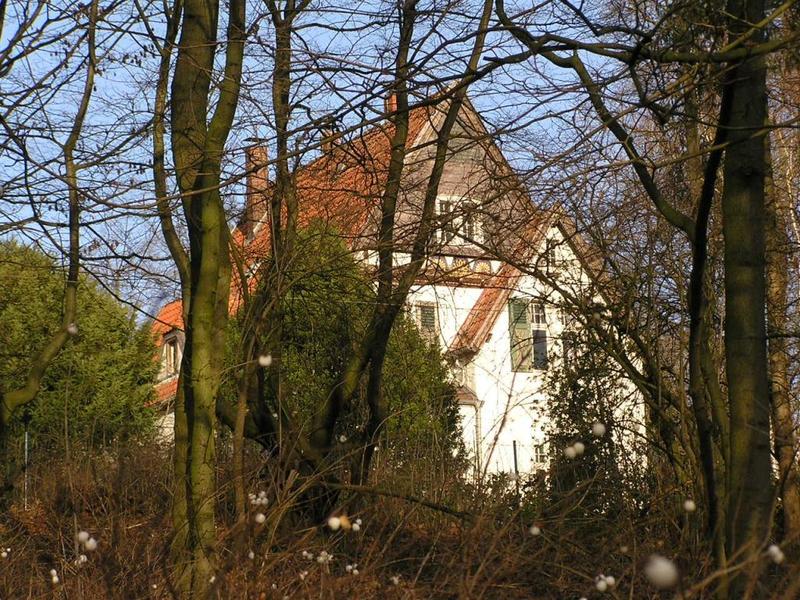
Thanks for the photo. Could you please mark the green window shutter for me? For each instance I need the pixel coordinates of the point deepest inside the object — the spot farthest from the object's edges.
(427, 318)
(519, 334)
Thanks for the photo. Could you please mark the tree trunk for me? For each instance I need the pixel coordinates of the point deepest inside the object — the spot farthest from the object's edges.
(743, 214)
(247, 388)
(777, 243)
(179, 547)
(197, 145)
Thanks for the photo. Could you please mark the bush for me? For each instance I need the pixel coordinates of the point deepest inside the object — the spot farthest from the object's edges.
(605, 475)
(99, 386)
(326, 311)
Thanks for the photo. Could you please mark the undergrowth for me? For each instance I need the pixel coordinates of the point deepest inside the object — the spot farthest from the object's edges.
(422, 532)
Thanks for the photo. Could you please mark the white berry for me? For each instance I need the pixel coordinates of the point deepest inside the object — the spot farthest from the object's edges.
(776, 554)
(661, 572)
(598, 429)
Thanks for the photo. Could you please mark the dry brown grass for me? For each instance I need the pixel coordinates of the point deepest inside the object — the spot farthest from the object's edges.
(123, 500)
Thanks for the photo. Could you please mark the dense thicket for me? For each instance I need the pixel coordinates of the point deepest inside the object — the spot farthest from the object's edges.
(99, 388)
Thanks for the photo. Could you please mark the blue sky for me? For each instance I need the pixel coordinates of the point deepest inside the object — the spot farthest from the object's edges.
(344, 56)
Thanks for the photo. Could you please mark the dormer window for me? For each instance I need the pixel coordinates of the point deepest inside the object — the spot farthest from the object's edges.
(447, 232)
(170, 356)
(474, 224)
(470, 229)
(556, 257)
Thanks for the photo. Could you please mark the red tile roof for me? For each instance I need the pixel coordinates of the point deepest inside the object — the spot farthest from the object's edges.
(169, 317)
(343, 187)
(483, 315)
(465, 395)
(165, 391)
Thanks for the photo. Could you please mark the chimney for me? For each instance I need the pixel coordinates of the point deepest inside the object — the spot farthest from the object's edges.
(256, 197)
(390, 104)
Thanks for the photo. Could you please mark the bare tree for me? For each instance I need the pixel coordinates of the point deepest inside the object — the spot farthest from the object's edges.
(198, 145)
(737, 484)
(16, 398)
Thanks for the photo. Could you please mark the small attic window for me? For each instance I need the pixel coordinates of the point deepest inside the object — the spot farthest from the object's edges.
(460, 222)
(170, 357)
(554, 258)
(446, 233)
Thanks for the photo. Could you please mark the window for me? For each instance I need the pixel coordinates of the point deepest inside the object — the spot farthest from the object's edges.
(569, 336)
(486, 227)
(464, 374)
(460, 218)
(528, 334)
(447, 222)
(539, 348)
(520, 331)
(426, 320)
(569, 344)
(537, 310)
(473, 224)
(170, 357)
(549, 258)
(540, 454)
(470, 228)
(556, 257)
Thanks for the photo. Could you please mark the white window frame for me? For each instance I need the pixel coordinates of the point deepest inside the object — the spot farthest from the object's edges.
(171, 355)
(461, 215)
(540, 457)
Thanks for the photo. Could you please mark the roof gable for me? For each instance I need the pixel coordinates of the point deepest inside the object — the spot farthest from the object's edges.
(475, 330)
(169, 317)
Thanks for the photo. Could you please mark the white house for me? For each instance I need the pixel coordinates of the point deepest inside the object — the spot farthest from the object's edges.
(501, 328)
(503, 335)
